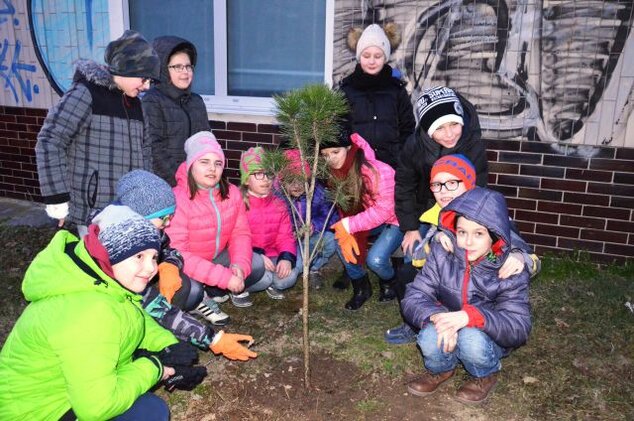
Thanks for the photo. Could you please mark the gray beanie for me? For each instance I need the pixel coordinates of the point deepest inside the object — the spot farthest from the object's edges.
(146, 194)
(374, 36)
(132, 56)
(124, 233)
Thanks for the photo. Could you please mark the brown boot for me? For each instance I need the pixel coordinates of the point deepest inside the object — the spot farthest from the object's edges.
(427, 383)
(477, 389)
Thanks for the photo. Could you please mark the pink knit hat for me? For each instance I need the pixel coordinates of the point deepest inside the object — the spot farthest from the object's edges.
(295, 163)
(200, 144)
(250, 162)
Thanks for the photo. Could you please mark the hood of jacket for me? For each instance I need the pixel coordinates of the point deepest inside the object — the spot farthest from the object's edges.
(165, 47)
(485, 207)
(470, 130)
(53, 272)
(93, 72)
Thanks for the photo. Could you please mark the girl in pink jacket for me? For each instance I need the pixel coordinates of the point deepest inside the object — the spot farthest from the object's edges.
(369, 184)
(210, 226)
(271, 229)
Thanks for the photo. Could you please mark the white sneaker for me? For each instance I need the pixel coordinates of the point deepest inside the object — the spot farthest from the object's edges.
(221, 299)
(274, 293)
(211, 312)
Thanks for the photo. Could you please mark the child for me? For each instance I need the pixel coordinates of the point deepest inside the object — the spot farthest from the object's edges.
(466, 313)
(172, 110)
(447, 124)
(451, 176)
(323, 215)
(380, 107)
(271, 229)
(369, 185)
(210, 226)
(151, 197)
(95, 134)
(83, 348)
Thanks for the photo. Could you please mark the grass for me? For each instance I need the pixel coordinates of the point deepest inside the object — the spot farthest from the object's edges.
(577, 365)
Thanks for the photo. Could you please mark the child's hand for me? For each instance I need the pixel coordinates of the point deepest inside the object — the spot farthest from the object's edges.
(283, 268)
(444, 241)
(447, 325)
(513, 265)
(236, 284)
(167, 372)
(409, 241)
(268, 264)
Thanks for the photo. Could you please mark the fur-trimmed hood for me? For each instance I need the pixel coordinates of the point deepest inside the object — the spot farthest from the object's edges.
(94, 72)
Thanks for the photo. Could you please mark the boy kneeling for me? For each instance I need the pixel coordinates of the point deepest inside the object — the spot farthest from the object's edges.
(465, 311)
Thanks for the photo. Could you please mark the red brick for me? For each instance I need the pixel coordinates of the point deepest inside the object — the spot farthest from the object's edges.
(540, 194)
(27, 135)
(566, 185)
(240, 146)
(558, 207)
(610, 213)
(507, 191)
(11, 164)
(542, 171)
(565, 161)
(500, 167)
(8, 118)
(521, 203)
(492, 156)
(607, 259)
(624, 178)
(278, 139)
(579, 244)
(520, 158)
(257, 137)
(217, 125)
(546, 218)
(242, 127)
(558, 230)
(613, 189)
(622, 202)
(576, 174)
(611, 165)
(621, 249)
(544, 240)
(620, 226)
(14, 111)
(587, 199)
(27, 119)
(502, 145)
(34, 128)
(269, 128)
(227, 135)
(525, 227)
(518, 180)
(538, 147)
(578, 221)
(492, 179)
(601, 235)
(16, 127)
(625, 153)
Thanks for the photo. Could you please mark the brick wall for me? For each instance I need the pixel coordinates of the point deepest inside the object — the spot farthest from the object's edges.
(562, 201)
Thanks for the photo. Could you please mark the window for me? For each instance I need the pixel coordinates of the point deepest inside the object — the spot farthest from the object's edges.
(248, 50)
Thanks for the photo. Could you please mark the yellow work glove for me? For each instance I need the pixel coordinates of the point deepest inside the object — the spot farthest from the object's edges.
(228, 344)
(347, 242)
(169, 280)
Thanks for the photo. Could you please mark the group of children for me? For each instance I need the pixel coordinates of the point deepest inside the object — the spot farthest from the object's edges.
(182, 251)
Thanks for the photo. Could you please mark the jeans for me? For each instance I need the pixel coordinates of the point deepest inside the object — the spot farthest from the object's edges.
(271, 279)
(327, 247)
(257, 271)
(388, 240)
(147, 407)
(479, 354)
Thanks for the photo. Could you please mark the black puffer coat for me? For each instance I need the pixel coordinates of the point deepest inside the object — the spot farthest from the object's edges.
(380, 111)
(172, 114)
(411, 194)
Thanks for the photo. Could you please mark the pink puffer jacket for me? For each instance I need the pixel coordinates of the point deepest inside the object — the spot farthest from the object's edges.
(270, 224)
(205, 226)
(380, 209)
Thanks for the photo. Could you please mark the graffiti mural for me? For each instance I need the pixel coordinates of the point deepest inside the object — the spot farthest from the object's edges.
(554, 71)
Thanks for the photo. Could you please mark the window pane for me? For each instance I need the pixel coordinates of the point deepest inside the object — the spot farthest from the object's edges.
(274, 46)
(189, 19)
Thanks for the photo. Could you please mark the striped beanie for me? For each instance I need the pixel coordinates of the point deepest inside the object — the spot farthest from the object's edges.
(457, 165)
(437, 106)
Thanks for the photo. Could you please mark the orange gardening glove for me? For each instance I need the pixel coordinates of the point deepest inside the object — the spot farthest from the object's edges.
(169, 280)
(229, 345)
(347, 242)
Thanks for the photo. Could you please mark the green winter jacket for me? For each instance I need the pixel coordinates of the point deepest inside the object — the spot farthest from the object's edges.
(72, 346)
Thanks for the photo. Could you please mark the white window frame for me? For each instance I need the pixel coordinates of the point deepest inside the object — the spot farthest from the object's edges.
(220, 102)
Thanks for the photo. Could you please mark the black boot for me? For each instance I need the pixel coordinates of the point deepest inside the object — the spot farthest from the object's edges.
(362, 291)
(386, 291)
(343, 282)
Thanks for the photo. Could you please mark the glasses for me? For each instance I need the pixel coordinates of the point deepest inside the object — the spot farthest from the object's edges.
(260, 175)
(180, 68)
(165, 221)
(450, 185)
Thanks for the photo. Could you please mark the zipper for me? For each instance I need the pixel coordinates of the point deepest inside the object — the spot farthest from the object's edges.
(218, 221)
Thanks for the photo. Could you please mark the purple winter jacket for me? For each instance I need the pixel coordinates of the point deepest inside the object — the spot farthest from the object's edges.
(448, 282)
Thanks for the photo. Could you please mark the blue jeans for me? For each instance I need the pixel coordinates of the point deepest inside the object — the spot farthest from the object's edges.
(270, 279)
(479, 354)
(147, 407)
(388, 240)
(327, 247)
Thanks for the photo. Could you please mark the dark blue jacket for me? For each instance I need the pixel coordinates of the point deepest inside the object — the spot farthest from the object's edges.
(321, 206)
(448, 282)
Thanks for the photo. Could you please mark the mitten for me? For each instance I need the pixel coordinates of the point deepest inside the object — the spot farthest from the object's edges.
(228, 344)
(347, 243)
(58, 211)
(180, 353)
(169, 280)
(185, 378)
